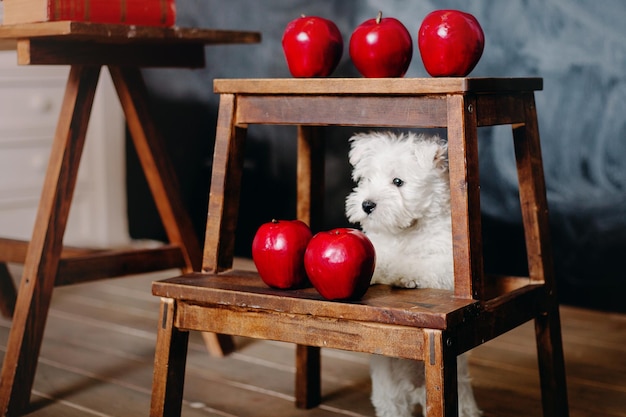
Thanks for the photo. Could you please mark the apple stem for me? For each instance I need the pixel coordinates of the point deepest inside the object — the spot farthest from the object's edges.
(379, 17)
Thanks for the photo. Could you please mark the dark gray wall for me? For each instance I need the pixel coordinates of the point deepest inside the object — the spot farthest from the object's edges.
(577, 46)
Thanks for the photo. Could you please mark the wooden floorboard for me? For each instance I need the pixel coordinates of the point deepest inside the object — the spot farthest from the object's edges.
(96, 360)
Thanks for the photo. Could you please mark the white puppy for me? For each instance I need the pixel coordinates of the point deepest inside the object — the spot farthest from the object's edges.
(402, 202)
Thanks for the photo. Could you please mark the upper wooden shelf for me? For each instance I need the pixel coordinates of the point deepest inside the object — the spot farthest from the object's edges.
(386, 86)
(108, 33)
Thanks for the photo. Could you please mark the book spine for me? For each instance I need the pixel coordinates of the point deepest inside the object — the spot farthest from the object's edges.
(103, 11)
(66, 10)
(133, 12)
(154, 12)
(130, 12)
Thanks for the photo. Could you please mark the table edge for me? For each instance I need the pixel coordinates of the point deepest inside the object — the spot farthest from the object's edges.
(72, 30)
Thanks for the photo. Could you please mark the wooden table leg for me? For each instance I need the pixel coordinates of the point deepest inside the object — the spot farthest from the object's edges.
(152, 154)
(161, 178)
(44, 250)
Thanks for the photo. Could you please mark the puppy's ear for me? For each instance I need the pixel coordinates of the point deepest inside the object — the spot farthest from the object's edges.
(431, 151)
(361, 148)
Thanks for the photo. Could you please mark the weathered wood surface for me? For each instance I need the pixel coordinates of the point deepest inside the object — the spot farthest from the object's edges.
(381, 86)
(381, 303)
(111, 33)
(98, 355)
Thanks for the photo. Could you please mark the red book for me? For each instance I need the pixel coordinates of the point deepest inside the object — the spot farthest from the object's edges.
(130, 12)
(142, 12)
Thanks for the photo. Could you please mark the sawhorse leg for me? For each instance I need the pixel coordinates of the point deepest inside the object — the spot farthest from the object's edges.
(44, 250)
(161, 179)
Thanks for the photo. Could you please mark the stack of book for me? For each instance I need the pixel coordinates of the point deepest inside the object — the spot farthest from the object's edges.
(130, 12)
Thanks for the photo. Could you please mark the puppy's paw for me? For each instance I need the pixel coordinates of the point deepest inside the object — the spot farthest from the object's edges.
(406, 282)
(395, 281)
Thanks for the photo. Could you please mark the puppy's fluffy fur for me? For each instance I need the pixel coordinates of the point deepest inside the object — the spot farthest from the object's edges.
(402, 202)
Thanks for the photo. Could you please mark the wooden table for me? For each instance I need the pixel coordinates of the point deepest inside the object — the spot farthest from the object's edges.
(86, 48)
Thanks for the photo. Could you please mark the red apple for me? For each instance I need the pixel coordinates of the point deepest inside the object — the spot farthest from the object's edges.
(451, 43)
(278, 252)
(340, 263)
(312, 46)
(381, 47)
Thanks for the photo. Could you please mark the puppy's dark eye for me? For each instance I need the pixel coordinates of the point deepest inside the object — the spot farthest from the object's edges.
(398, 182)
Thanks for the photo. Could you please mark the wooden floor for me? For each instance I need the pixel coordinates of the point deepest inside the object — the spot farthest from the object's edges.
(97, 354)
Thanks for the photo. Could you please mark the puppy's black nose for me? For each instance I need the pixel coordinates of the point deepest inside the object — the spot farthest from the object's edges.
(368, 206)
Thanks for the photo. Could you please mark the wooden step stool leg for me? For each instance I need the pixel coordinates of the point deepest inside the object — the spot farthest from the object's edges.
(465, 197)
(540, 263)
(308, 376)
(551, 364)
(169, 364)
(440, 371)
(310, 209)
(44, 250)
(227, 171)
(161, 179)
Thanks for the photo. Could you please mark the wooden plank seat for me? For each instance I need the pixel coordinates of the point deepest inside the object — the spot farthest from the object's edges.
(205, 302)
(434, 326)
(86, 48)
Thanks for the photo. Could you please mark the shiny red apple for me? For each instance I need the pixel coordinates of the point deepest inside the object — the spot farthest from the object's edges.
(451, 43)
(340, 263)
(381, 47)
(312, 46)
(278, 253)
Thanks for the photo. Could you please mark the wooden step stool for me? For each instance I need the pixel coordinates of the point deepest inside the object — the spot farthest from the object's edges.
(434, 326)
(86, 48)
